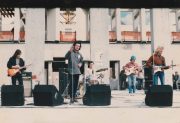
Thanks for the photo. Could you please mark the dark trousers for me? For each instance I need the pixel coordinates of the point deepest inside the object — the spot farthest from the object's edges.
(17, 77)
(122, 84)
(73, 83)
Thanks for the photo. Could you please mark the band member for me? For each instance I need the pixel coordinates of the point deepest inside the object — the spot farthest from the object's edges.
(75, 61)
(140, 80)
(90, 74)
(15, 62)
(132, 69)
(175, 80)
(156, 61)
(122, 77)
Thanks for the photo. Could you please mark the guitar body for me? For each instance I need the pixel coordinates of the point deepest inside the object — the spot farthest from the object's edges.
(129, 71)
(161, 68)
(12, 72)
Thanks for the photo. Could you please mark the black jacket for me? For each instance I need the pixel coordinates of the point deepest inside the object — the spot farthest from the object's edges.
(12, 62)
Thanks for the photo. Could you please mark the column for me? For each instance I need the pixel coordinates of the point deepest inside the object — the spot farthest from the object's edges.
(161, 36)
(81, 24)
(143, 24)
(0, 22)
(177, 20)
(118, 24)
(53, 31)
(99, 40)
(35, 39)
(17, 24)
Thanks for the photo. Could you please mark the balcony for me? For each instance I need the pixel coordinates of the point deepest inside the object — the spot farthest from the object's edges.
(67, 36)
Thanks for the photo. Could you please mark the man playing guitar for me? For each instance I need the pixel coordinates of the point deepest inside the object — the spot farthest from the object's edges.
(157, 62)
(131, 70)
(16, 63)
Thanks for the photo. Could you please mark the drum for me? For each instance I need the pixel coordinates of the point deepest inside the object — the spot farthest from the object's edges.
(81, 89)
(93, 82)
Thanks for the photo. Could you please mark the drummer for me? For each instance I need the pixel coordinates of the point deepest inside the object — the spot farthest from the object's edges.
(90, 74)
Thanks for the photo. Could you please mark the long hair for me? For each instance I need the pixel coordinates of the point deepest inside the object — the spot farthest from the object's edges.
(16, 53)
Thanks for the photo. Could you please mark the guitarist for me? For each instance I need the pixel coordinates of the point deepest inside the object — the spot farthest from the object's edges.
(132, 76)
(158, 60)
(15, 62)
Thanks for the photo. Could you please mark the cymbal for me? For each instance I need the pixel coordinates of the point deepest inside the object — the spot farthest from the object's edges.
(102, 69)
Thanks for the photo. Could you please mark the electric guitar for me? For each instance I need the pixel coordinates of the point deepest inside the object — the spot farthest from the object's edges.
(161, 68)
(13, 71)
(132, 70)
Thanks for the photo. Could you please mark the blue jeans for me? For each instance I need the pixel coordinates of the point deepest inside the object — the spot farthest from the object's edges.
(161, 77)
(132, 83)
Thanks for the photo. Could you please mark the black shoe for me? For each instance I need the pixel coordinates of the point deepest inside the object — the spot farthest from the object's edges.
(71, 101)
(75, 100)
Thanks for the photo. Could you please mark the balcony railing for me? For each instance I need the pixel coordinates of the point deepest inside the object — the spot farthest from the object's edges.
(112, 36)
(67, 36)
(6, 36)
(175, 36)
(9, 36)
(130, 36)
(22, 36)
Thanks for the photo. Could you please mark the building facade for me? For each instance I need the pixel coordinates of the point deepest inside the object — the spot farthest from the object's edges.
(109, 37)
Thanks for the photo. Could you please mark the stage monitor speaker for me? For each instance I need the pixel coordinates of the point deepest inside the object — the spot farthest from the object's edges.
(147, 84)
(12, 95)
(97, 95)
(159, 95)
(47, 95)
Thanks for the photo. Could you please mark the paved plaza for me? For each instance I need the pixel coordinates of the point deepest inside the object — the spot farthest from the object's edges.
(124, 108)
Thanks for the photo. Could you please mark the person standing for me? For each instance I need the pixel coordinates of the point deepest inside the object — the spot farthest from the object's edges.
(17, 63)
(90, 74)
(157, 63)
(122, 78)
(131, 70)
(75, 61)
(175, 80)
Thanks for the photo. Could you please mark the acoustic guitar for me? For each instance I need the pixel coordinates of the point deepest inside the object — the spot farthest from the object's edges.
(13, 71)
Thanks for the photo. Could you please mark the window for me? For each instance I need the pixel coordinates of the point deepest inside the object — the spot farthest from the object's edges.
(6, 24)
(126, 18)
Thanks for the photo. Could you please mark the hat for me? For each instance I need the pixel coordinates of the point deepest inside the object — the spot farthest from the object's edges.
(133, 58)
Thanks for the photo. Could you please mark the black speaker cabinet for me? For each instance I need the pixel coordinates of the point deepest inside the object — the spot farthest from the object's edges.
(147, 84)
(12, 95)
(159, 95)
(97, 95)
(46, 95)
